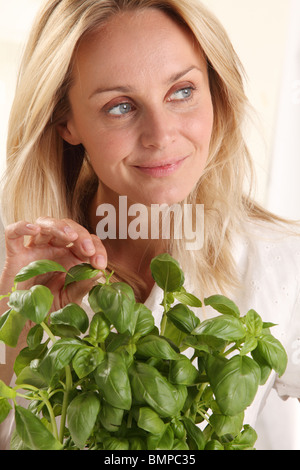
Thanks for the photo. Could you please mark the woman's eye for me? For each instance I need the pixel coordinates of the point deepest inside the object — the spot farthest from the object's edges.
(182, 94)
(120, 109)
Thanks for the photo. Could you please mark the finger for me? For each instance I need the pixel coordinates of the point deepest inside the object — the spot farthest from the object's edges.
(99, 259)
(87, 245)
(56, 232)
(16, 233)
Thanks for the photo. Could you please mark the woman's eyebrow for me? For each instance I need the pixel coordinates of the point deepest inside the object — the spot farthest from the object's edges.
(127, 88)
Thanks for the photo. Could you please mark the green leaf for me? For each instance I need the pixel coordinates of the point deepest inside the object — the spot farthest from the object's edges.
(80, 272)
(32, 431)
(82, 414)
(150, 421)
(265, 369)
(27, 355)
(59, 356)
(214, 445)
(112, 379)
(187, 299)
(110, 417)
(226, 424)
(86, 360)
(34, 304)
(234, 382)
(5, 408)
(116, 443)
(71, 315)
(254, 323)
(272, 351)
(167, 273)
(11, 326)
(225, 327)
(30, 376)
(117, 302)
(183, 372)
(223, 305)
(6, 392)
(37, 268)
(244, 441)
(35, 336)
(183, 318)
(155, 346)
(150, 388)
(99, 329)
(195, 435)
(163, 441)
(249, 345)
(145, 320)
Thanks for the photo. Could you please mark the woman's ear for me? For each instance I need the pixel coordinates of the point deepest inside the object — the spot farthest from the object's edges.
(68, 132)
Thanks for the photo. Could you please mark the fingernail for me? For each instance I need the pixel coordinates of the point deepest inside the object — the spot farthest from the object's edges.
(68, 230)
(32, 227)
(88, 246)
(100, 262)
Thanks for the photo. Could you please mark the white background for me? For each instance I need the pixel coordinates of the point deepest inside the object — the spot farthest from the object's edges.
(266, 35)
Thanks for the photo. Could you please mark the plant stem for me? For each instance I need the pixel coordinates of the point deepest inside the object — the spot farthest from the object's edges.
(52, 418)
(49, 332)
(68, 387)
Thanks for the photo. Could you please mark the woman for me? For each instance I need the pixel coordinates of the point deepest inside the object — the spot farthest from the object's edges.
(141, 99)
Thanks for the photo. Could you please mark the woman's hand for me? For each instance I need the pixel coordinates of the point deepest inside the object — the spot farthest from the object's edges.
(63, 241)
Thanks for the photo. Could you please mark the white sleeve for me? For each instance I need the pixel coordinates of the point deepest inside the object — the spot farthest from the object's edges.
(289, 384)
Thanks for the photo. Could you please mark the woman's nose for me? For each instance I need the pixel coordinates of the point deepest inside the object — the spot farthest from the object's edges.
(158, 130)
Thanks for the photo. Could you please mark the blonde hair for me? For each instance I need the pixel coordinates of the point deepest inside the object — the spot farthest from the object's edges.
(47, 177)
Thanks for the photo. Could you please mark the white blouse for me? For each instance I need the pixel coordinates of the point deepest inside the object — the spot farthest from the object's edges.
(268, 260)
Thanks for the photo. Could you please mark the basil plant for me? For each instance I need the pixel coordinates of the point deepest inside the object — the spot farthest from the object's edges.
(117, 382)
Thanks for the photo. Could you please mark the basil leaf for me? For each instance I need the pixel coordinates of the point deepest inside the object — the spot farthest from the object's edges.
(115, 443)
(226, 424)
(224, 327)
(5, 408)
(37, 268)
(81, 417)
(99, 329)
(234, 382)
(6, 391)
(80, 272)
(86, 360)
(272, 351)
(71, 315)
(117, 303)
(183, 318)
(11, 326)
(150, 388)
(183, 372)
(32, 431)
(187, 299)
(167, 273)
(59, 356)
(35, 336)
(34, 304)
(163, 441)
(195, 435)
(145, 320)
(112, 379)
(155, 346)
(150, 421)
(223, 305)
(110, 417)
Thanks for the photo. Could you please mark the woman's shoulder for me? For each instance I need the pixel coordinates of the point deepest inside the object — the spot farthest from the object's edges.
(262, 239)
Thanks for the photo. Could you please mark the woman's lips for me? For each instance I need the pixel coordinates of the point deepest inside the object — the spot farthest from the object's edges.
(161, 169)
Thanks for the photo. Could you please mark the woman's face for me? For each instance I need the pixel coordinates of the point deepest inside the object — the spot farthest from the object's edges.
(142, 108)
